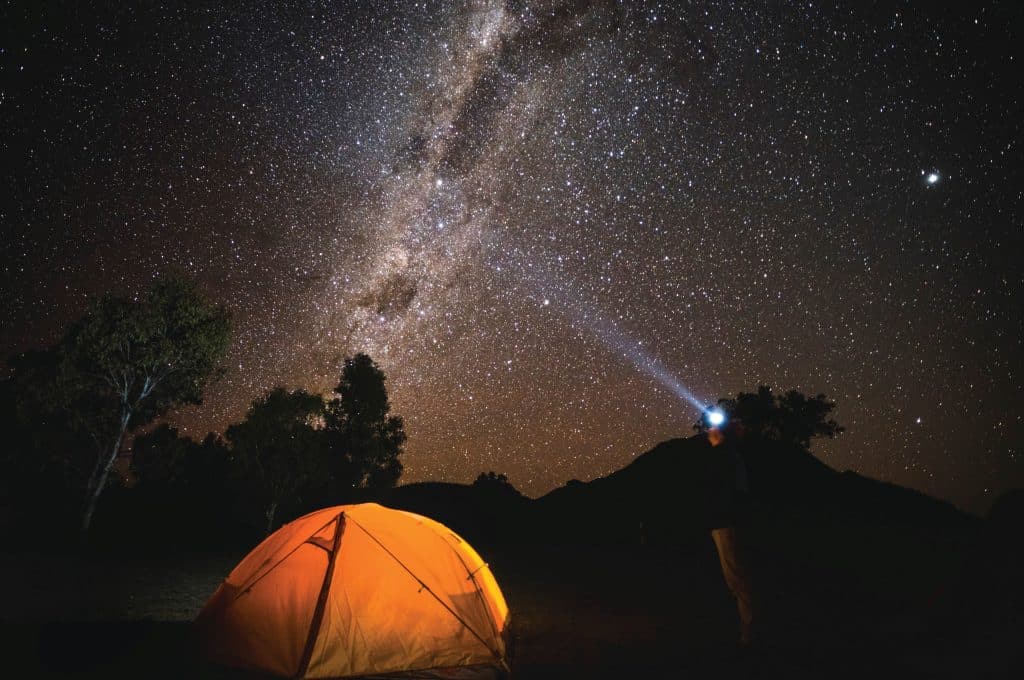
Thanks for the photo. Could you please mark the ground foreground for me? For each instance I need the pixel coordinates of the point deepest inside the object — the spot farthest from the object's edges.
(610, 611)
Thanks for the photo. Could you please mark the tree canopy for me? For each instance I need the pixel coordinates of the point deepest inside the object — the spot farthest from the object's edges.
(159, 457)
(129, 359)
(363, 438)
(279, 447)
(791, 418)
(496, 483)
(42, 454)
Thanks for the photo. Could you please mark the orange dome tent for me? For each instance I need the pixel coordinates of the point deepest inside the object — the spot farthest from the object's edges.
(359, 590)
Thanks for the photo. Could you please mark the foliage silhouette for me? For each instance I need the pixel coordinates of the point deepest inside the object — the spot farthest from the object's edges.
(364, 440)
(279, 448)
(41, 444)
(158, 457)
(493, 482)
(126, 362)
(790, 418)
(491, 477)
(178, 492)
(129, 360)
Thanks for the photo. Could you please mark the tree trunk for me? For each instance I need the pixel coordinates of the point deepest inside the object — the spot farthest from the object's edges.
(270, 517)
(95, 471)
(93, 493)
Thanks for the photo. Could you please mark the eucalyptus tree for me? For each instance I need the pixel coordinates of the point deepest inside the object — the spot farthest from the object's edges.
(130, 359)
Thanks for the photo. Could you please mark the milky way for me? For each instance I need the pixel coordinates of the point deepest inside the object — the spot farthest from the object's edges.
(551, 223)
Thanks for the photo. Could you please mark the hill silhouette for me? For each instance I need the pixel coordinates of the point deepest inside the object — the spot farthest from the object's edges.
(483, 515)
(661, 497)
(813, 526)
(669, 478)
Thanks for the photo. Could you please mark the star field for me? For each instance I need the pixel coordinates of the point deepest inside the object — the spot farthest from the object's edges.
(542, 218)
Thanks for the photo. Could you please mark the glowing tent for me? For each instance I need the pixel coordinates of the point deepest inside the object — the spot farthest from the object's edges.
(359, 590)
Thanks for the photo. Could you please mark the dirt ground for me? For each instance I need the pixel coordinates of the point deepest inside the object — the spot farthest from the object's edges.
(579, 612)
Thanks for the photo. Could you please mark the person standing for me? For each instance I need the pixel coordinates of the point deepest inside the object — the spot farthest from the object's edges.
(729, 490)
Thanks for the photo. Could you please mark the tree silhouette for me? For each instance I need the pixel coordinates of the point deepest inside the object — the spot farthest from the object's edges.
(279, 447)
(129, 360)
(122, 365)
(180, 491)
(791, 418)
(491, 477)
(494, 482)
(42, 453)
(364, 440)
(206, 470)
(159, 457)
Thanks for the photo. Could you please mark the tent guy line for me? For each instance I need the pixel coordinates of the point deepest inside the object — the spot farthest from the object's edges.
(424, 586)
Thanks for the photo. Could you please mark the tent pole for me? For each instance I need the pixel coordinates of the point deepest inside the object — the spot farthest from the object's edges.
(321, 601)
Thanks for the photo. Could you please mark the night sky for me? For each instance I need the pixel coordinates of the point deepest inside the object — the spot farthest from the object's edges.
(549, 221)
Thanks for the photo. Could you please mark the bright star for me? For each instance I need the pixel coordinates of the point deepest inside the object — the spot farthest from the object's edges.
(715, 417)
(932, 178)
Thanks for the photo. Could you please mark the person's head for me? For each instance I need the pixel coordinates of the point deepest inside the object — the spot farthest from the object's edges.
(730, 431)
(715, 420)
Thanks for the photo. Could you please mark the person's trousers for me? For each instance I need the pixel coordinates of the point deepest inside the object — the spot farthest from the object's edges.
(735, 569)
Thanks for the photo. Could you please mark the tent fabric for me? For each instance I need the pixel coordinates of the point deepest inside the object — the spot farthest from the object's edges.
(359, 591)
